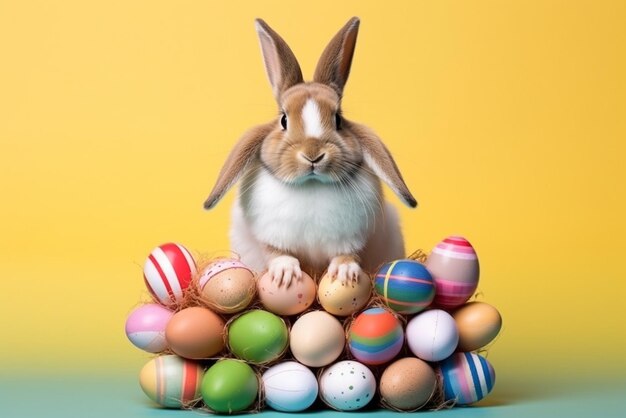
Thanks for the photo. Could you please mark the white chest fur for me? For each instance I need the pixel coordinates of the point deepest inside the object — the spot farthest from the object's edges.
(313, 220)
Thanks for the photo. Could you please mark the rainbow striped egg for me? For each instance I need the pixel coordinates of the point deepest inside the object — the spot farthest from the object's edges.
(454, 266)
(171, 381)
(405, 286)
(467, 378)
(168, 272)
(375, 337)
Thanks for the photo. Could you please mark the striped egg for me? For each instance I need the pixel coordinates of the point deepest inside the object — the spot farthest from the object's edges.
(467, 378)
(406, 286)
(375, 337)
(145, 327)
(171, 381)
(454, 266)
(168, 272)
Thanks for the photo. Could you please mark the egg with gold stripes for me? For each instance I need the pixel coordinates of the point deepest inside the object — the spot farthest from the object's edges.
(467, 378)
(171, 381)
(405, 286)
(167, 273)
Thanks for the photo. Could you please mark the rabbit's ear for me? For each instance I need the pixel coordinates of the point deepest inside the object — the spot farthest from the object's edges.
(244, 152)
(333, 67)
(281, 65)
(378, 159)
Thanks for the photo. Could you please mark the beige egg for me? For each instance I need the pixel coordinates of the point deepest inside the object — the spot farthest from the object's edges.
(478, 324)
(407, 384)
(286, 300)
(227, 286)
(316, 339)
(343, 299)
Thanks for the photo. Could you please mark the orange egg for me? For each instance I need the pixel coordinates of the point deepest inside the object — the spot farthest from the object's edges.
(287, 300)
(195, 333)
(478, 324)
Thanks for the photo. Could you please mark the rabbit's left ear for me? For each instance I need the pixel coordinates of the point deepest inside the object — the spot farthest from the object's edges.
(334, 65)
(378, 159)
(245, 151)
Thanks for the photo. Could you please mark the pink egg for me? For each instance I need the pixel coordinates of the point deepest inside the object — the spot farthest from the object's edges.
(454, 266)
(145, 327)
(168, 272)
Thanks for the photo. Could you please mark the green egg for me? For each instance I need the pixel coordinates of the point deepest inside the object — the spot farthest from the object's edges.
(229, 386)
(258, 337)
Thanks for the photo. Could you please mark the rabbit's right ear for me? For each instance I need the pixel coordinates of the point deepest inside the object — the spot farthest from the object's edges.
(244, 152)
(281, 65)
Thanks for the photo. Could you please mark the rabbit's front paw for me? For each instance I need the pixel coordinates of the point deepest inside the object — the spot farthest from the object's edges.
(283, 269)
(344, 268)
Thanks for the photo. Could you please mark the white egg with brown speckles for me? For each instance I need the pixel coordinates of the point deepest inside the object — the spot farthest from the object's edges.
(347, 385)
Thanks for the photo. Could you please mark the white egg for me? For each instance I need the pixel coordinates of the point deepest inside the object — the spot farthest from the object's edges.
(347, 385)
(289, 387)
(432, 335)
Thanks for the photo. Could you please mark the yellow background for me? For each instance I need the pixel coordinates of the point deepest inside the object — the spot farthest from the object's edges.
(507, 120)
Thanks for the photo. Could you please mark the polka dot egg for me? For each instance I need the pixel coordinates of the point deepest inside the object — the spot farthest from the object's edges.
(347, 385)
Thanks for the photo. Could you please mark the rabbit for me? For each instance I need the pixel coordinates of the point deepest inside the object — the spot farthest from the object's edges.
(310, 197)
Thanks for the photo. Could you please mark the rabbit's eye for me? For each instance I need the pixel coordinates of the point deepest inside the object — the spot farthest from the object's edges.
(337, 121)
(283, 121)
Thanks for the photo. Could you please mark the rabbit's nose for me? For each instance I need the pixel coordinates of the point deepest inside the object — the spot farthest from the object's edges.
(315, 160)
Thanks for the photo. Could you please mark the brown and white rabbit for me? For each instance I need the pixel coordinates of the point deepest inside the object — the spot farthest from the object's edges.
(310, 188)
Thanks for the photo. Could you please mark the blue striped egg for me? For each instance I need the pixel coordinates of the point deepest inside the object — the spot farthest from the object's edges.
(406, 286)
(467, 378)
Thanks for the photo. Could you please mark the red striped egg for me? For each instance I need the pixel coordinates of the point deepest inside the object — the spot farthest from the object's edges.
(168, 272)
(453, 264)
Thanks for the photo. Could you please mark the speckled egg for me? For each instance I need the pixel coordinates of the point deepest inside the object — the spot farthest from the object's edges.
(145, 327)
(227, 286)
(195, 333)
(478, 324)
(432, 335)
(407, 384)
(344, 299)
(171, 381)
(317, 338)
(455, 269)
(347, 385)
(286, 300)
(467, 378)
(289, 387)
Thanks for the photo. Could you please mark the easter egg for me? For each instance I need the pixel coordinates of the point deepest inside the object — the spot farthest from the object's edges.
(375, 336)
(195, 333)
(227, 286)
(171, 381)
(347, 385)
(258, 336)
(344, 299)
(317, 338)
(289, 387)
(454, 266)
(286, 300)
(432, 335)
(478, 324)
(168, 272)
(406, 286)
(407, 384)
(467, 378)
(145, 327)
(229, 386)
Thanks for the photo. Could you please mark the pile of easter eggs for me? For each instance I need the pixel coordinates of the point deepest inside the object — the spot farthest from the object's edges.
(228, 340)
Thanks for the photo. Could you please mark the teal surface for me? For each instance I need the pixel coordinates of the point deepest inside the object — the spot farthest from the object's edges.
(120, 396)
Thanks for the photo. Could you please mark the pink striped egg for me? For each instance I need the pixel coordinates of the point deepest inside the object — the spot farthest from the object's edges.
(145, 327)
(168, 272)
(453, 264)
